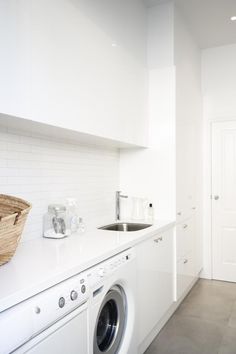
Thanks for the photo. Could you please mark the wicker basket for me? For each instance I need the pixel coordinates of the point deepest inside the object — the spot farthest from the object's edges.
(13, 214)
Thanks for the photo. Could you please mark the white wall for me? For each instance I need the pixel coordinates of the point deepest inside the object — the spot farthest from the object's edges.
(219, 92)
(219, 81)
(78, 64)
(46, 171)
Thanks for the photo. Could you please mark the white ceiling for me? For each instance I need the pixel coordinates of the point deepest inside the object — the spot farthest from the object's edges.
(208, 20)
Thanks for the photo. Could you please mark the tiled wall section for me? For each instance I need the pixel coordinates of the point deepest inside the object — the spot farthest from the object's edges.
(44, 171)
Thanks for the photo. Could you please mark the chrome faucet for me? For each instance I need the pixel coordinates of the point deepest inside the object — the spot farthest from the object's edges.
(118, 196)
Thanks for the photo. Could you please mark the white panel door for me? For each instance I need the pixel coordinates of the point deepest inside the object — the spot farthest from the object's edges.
(224, 200)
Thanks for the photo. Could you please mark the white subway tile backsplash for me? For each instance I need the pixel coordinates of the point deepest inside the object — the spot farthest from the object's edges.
(45, 171)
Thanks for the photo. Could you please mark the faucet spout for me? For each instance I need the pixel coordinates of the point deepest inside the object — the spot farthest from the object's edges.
(118, 196)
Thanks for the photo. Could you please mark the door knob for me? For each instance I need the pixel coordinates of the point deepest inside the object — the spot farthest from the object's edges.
(216, 197)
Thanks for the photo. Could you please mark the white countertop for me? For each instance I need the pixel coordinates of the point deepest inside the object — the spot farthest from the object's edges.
(42, 263)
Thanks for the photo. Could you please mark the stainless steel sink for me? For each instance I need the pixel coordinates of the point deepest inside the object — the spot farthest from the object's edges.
(126, 227)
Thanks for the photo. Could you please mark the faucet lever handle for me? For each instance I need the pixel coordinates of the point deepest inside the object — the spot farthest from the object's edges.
(119, 195)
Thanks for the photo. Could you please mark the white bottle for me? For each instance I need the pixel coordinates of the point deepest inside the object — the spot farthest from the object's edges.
(81, 226)
(73, 214)
(150, 213)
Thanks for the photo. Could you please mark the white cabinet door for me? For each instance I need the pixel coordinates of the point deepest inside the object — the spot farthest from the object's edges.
(70, 335)
(155, 259)
(184, 238)
(79, 65)
(185, 167)
(198, 242)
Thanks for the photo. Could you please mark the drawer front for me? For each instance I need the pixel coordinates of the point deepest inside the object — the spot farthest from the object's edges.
(184, 239)
(185, 274)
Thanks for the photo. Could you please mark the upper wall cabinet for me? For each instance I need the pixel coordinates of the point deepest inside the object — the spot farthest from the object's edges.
(76, 64)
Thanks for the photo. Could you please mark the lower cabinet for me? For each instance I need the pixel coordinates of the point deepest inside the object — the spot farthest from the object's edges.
(186, 256)
(155, 266)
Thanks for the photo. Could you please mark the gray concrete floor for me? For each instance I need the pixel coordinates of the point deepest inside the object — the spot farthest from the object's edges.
(205, 322)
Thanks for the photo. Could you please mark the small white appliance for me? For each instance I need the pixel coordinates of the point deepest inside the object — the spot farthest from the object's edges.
(112, 305)
(53, 321)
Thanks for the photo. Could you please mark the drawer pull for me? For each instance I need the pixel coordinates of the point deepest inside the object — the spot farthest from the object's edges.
(185, 226)
(158, 239)
(185, 261)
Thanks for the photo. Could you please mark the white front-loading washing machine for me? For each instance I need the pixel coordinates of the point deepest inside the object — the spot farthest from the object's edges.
(112, 305)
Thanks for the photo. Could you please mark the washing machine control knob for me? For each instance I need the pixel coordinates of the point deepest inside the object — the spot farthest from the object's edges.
(83, 289)
(73, 295)
(61, 302)
(101, 272)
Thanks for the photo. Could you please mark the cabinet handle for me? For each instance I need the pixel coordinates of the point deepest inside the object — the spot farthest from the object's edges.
(185, 226)
(158, 239)
(179, 213)
(185, 261)
(194, 208)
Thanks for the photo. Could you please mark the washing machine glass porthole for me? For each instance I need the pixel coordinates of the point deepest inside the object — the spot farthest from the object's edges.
(107, 325)
(110, 323)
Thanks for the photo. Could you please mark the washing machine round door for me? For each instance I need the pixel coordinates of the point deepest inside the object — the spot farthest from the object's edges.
(110, 323)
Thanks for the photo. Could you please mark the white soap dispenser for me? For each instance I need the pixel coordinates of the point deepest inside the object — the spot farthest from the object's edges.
(81, 226)
(73, 214)
(150, 213)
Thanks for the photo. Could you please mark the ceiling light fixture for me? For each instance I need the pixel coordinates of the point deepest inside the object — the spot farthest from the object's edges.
(233, 18)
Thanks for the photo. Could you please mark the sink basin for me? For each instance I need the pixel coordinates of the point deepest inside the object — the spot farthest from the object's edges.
(125, 227)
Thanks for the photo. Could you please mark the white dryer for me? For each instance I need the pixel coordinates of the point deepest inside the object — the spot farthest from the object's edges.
(112, 305)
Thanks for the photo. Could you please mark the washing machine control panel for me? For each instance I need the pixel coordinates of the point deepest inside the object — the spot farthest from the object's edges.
(59, 300)
(105, 269)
